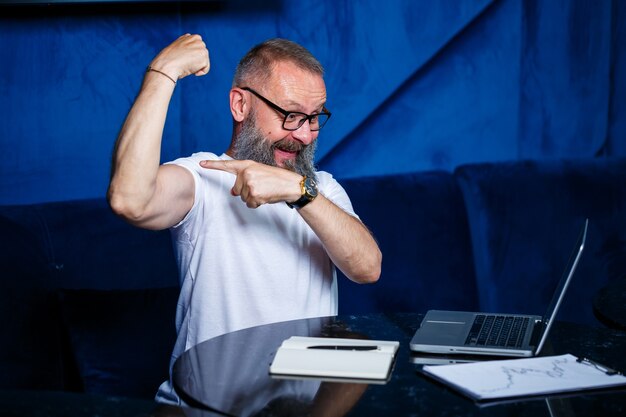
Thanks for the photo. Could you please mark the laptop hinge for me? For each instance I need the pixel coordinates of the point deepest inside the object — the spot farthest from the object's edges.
(538, 330)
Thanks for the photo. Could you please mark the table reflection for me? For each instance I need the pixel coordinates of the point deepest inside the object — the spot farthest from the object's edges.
(237, 382)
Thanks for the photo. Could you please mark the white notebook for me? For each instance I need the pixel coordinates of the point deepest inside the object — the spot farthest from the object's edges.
(330, 358)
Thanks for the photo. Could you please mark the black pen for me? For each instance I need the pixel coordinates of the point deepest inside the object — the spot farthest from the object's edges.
(598, 366)
(343, 347)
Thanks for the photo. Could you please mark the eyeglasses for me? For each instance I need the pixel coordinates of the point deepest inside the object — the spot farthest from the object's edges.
(293, 119)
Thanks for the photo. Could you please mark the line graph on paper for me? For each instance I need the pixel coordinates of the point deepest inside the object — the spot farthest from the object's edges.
(556, 369)
(518, 377)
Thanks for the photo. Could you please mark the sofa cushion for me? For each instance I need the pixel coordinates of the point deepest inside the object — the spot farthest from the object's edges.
(123, 339)
(420, 224)
(524, 220)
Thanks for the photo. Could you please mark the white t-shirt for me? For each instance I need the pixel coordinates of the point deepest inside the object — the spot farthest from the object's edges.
(242, 267)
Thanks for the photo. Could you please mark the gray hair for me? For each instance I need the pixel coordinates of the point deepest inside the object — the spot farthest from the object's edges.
(259, 62)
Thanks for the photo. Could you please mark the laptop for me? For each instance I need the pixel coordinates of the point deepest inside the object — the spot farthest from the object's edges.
(514, 335)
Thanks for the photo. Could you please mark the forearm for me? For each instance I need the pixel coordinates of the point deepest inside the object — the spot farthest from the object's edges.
(348, 242)
(136, 158)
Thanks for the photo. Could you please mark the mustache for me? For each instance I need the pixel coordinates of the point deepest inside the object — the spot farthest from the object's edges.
(288, 145)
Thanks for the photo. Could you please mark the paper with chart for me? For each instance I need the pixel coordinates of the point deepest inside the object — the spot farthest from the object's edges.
(523, 377)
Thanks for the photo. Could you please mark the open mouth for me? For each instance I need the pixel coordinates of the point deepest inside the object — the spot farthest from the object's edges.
(286, 151)
(288, 146)
(284, 159)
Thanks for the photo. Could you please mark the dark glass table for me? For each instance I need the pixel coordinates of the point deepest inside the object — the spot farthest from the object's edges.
(228, 375)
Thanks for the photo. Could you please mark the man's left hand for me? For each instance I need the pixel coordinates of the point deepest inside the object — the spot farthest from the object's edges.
(257, 183)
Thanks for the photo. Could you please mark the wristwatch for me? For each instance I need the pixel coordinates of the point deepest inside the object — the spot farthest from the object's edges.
(309, 192)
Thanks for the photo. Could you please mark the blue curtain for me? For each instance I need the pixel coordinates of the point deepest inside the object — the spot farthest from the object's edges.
(413, 85)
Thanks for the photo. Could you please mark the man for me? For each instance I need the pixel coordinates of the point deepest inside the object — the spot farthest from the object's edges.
(245, 256)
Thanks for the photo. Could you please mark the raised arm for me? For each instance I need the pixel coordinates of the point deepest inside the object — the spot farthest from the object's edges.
(141, 190)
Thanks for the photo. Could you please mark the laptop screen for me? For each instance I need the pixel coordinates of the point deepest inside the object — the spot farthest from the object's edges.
(558, 295)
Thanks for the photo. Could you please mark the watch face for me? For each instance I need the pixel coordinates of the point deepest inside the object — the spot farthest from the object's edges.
(310, 187)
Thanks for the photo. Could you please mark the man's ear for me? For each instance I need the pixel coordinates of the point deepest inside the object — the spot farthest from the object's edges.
(238, 104)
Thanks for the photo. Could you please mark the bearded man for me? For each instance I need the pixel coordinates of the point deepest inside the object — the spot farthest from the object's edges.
(257, 230)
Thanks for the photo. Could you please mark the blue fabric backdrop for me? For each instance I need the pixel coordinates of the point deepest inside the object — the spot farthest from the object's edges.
(413, 85)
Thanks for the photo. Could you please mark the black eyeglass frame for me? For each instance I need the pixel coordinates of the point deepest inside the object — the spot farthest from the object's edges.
(287, 113)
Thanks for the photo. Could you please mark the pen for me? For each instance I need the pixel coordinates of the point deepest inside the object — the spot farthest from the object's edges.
(343, 347)
(598, 366)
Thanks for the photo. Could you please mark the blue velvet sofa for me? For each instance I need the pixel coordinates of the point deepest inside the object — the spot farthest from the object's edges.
(89, 301)
(492, 236)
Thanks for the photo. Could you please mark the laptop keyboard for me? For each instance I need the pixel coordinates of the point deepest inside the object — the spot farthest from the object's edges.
(497, 330)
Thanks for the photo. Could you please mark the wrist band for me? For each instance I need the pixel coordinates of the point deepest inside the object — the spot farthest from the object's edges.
(160, 72)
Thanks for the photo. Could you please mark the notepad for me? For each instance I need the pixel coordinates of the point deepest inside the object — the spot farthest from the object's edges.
(330, 358)
(524, 377)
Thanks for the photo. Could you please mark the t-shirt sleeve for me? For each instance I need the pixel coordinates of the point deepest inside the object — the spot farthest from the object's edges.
(192, 164)
(333, 191)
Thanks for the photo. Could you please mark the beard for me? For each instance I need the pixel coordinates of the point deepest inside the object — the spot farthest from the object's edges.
(250, 144)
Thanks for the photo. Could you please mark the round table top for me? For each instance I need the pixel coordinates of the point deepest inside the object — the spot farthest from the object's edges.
(229, 374)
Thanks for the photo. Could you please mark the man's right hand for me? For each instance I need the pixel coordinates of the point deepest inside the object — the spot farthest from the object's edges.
(186, 55)
(141, 190)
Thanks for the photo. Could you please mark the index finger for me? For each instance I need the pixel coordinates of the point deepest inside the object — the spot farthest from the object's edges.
(233, 166)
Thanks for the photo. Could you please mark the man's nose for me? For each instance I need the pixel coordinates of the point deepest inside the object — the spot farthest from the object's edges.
(304, 133)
